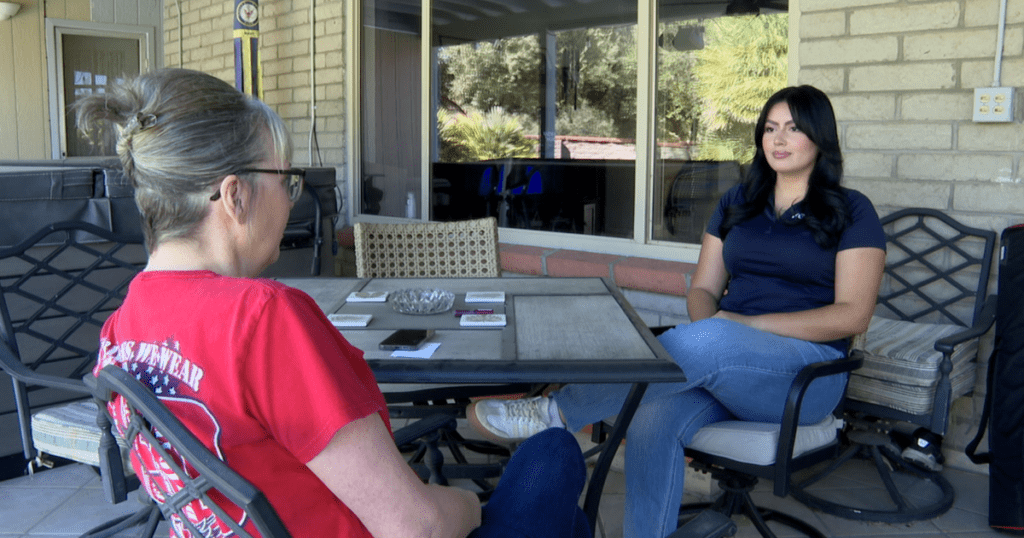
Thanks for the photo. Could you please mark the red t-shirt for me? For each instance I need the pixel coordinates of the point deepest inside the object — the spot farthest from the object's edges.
(257, 372)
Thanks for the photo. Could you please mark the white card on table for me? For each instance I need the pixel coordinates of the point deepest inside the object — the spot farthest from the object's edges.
(485, 297)
(422, 353)
(367, 297)
(482, 320)
(350, 320)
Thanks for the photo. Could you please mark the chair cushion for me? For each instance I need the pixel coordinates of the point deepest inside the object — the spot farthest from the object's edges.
(70, 431)
(904, 352)
(756, 442)
(901, 365)
(909, 398)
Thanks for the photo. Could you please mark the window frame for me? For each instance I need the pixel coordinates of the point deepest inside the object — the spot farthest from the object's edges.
(641, 244)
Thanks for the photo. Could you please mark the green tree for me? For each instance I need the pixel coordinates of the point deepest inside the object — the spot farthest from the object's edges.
(744, 63)
(607, 76)
(584, 120)
(596, 79)
(501, 73)
(679, 108)
(711, 97)
(477, 137)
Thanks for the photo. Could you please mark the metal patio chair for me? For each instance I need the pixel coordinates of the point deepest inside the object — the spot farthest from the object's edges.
(57, 287)
(427, 249)
(437, 250)
(920, 354)
(194, 480)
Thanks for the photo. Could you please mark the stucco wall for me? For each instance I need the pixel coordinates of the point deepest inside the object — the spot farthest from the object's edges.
(24, 93)
(901, 75)
(24, 113)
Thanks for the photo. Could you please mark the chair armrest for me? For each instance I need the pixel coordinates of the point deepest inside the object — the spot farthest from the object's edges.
(657, 330)
(424, 427)
(791, 413)
(986, 318)
(113, 477)
(11, 364)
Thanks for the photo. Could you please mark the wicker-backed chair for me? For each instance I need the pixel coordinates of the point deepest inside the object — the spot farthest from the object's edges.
(428, 249)
(436, 250)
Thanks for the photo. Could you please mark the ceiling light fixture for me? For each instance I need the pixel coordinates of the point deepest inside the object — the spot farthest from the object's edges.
(8, 9)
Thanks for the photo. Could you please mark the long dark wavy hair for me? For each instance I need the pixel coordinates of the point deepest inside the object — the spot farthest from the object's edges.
(825, 205)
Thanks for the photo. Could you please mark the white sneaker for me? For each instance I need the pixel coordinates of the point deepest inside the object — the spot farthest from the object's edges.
(511, 420)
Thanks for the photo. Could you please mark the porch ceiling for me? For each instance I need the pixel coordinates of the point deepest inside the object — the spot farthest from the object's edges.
(458, 21)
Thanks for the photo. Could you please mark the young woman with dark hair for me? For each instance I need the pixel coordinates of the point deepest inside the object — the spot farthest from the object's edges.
(827, 213)
(802, 260)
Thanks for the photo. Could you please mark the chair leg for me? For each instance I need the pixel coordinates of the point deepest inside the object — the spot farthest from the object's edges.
(736, 499)
(706, 524)
(149, 516)
(890, 467)
(422, 441)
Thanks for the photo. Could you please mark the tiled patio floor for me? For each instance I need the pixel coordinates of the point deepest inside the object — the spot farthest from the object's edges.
(67, 501)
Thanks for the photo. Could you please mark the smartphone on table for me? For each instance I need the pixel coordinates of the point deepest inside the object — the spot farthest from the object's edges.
(406, 339)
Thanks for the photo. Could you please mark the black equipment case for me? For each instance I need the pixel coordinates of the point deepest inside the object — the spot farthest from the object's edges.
(34, 193)
(1004, 402)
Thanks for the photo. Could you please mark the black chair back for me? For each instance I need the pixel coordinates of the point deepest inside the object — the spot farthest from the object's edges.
(57, 287)
(936, 270)
(151, 428)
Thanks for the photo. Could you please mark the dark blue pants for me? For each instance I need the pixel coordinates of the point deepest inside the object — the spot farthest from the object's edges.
(538, 494)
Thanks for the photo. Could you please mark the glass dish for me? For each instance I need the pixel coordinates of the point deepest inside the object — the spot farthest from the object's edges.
(422, 301)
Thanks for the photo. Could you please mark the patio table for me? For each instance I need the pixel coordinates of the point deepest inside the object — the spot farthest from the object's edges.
(558, 330)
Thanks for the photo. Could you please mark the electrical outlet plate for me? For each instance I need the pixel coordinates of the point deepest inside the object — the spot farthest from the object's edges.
(993, 104)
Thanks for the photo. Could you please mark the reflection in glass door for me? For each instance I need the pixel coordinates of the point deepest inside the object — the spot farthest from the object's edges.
(536, 115)
(90, 64)
(713, 77)
(390, 111)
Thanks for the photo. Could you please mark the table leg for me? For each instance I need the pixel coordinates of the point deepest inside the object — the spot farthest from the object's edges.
(604, 461)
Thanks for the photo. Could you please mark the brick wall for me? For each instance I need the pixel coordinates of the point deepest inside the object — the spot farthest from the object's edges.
(901, 75)
(206, 43)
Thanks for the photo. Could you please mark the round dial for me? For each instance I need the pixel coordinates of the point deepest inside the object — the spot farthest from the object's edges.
(248, 13)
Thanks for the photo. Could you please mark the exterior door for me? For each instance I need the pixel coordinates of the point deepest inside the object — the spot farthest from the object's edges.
(84, 58)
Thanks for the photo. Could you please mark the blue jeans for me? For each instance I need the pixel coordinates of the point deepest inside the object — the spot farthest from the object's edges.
(539, 491)
(733, 372)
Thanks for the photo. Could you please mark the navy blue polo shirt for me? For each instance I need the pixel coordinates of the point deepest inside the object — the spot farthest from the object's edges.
(774, 264)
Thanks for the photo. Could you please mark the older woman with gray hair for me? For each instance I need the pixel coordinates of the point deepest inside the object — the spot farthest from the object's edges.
(253, 367)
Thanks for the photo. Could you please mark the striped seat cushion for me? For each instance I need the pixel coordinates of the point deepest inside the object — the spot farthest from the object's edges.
(901, 365)
(70, 431)
(756, 442)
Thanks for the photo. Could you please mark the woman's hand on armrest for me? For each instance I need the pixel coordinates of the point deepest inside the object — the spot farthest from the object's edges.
(364, 469)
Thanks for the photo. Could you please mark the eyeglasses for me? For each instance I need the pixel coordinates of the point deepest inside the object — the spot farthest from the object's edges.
(293, 180)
